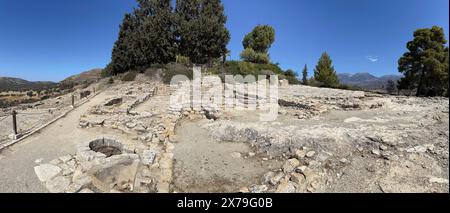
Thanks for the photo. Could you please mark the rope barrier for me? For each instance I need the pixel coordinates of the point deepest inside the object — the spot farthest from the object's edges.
(1, 119)
(31, 113)
(32, 125)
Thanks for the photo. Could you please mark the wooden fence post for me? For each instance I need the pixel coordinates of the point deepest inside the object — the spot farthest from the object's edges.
(14, 119)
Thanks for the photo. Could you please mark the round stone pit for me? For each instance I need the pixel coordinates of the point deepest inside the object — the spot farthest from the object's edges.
(106, 146)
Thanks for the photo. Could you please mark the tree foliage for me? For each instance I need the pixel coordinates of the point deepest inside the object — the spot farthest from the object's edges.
(155, 33)
(249, 55)
(390, 86)
(257, 44)
(425, 64)
(325, 73)
(305, 75)
(291, 76)
(260, 39)
(200, 28)
(145, 37)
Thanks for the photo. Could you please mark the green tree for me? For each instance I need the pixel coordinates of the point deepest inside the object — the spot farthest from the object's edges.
(291, 76)
(257, 43)
(390, 86)
(325, 73)
(425, 64)
(260, 39)
(146, 37)
(305, 75)
(200, 29)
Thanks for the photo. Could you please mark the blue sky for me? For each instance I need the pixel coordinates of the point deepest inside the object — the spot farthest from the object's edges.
(53, 39)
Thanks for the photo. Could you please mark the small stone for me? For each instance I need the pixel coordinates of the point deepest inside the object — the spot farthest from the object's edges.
(251, 154)
(54, 162)
(236, 155)
(310, 154)
(383, 147)
(39, 160)
(376, 152)
(83, 181)
(73, 188)
(438, 180)
(130, 125)
(148, 156)
(277, 178)
(297, 178)
(163, 187)
(290, 165)
(244, 190)
(268, 176)
(300, 154)
(258, 188)
(65, 158)
(58, 184)
(86, 191)
(420, 149)
(265, 159)
(344, 161)
(286, 187)
(46, 172)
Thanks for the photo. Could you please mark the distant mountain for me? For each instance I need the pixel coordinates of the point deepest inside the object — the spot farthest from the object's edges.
(367, 80)
(84, 77)
(7, 84)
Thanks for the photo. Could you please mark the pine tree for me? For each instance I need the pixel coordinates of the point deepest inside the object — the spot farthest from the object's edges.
(425, 65)
(146, 37)
(257, 44)
(305, 75)
(200, 28)
(260, 39)
(325, 73)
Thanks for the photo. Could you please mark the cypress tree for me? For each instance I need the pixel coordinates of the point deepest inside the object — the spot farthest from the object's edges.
(305, 75)
(146, 37)
(200, 29)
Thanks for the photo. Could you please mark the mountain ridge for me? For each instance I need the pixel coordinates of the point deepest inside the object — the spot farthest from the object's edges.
(366, 80)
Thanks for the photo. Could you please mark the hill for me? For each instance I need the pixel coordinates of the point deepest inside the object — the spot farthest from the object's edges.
(8, 84)
(83, 78)
(367, 80)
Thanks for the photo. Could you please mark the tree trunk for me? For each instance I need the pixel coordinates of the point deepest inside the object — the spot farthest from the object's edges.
(419, 88)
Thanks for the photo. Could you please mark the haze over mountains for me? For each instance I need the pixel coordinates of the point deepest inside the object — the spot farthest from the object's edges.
(12, 84)
(367, 80)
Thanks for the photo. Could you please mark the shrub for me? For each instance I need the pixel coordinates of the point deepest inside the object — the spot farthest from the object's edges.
(30, 94)
(249, 55)
(110, 80)
(129, 76)
(105, 72)
(183, 60)
(172, 70)
(248, 68)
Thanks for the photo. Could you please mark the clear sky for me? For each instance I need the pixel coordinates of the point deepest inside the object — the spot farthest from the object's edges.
(53, 39)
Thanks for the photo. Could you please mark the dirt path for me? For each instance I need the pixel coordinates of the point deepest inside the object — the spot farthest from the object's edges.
(58, 139)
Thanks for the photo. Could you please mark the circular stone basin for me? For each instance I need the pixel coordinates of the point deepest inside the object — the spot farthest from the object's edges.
(106, 146)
